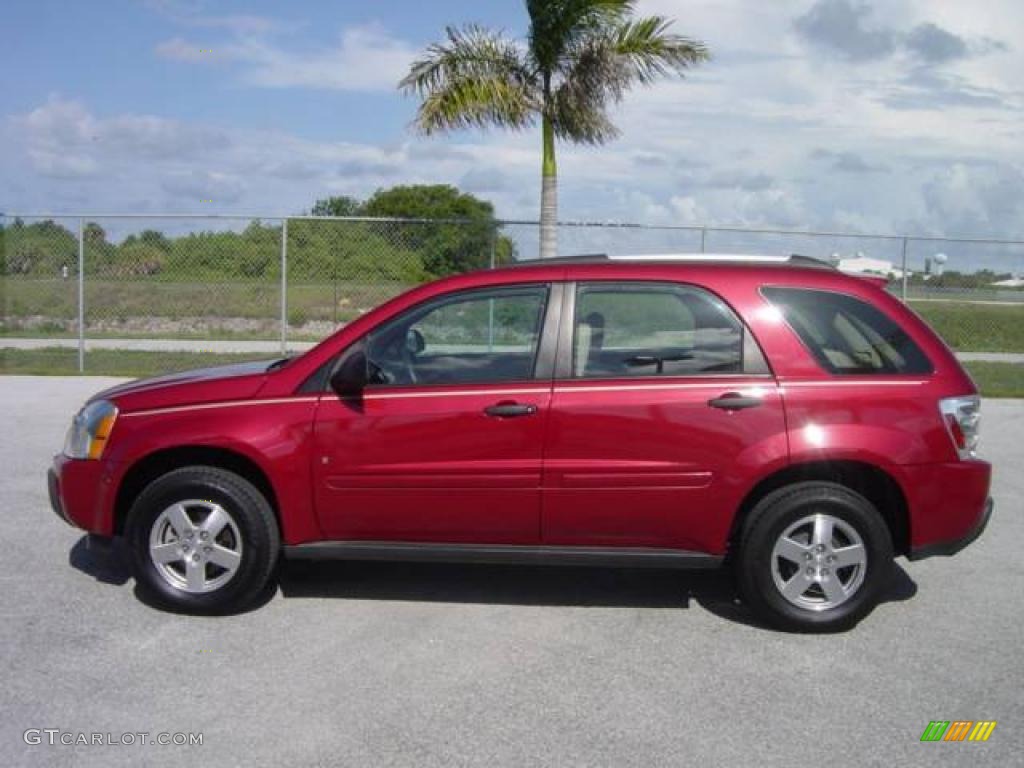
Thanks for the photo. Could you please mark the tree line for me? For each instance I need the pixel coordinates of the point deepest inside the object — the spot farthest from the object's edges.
(461, 234)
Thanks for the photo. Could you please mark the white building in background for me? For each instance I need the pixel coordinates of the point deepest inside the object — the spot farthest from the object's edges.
(1013, 282)
(861, 264)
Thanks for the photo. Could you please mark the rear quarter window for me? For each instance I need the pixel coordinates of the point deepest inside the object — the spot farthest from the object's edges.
(847, 335)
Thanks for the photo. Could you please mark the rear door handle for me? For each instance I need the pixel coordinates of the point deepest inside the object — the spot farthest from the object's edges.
(734, 401)
(510, 410)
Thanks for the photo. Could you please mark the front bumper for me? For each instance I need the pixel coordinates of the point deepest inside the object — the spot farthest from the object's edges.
(81, 493)
(53, 487)
(947, 548)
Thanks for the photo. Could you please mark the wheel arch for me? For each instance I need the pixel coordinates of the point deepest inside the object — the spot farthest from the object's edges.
(153, 465)
(872, 482)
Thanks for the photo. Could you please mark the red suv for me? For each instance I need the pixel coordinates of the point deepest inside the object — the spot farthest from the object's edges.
(798, 424)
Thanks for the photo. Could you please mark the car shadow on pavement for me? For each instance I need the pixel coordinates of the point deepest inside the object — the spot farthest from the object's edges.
(109, 564)
(713, 590)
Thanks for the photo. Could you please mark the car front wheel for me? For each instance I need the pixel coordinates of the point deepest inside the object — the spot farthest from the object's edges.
(814, 557)
(204, 540)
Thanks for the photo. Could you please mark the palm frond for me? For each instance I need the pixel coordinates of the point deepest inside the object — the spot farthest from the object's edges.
(581, 57)
(581, 116)
(598, 68)
(596, 77)
(651, 51)
(556, 24)
(595, 66)
(480, 102)
(469, 52)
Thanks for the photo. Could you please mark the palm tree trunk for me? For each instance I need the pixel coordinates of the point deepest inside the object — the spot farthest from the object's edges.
(549, 195)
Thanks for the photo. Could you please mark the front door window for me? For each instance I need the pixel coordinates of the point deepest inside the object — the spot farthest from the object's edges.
(479, 337)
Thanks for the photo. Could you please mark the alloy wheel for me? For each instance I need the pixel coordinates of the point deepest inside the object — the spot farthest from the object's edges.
(195, 546)
(819, 562)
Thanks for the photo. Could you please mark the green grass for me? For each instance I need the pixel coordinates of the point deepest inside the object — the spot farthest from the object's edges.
(975, 327)
(993, 379)
(965, 327)
(218, 334)
(121, 299)
(998, 379)
(55, 361)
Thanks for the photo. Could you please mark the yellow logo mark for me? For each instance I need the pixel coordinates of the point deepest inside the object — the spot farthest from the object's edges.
(982, 730)
(958, 730)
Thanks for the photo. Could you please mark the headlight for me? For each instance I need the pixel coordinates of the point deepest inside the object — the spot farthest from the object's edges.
(89, 430)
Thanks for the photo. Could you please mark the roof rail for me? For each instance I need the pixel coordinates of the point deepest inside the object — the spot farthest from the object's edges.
(794, 260)
(799, 260)
(590, 258)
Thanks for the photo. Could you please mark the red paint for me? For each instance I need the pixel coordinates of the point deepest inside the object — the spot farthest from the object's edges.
(654, 467)
(430, 468)
(637, 461)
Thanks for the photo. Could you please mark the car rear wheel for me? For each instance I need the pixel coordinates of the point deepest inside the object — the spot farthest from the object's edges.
(204, 540)
(814, 557)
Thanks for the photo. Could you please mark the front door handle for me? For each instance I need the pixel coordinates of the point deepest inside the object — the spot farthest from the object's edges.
(508, 410)
(734, 401)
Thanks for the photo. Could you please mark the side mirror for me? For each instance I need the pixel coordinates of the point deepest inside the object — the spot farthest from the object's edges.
(351, 377)
(414, 342)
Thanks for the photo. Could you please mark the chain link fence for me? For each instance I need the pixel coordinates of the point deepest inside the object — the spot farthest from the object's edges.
(222, 285)
(970, 290)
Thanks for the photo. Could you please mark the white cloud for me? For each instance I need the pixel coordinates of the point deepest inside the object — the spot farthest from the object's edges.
(59, 138)
(195, 187)
(983, 196)
(770, 133)
(365, 58)
(62, 138)
(193, 14)
(179, 49)
(687, 211)
(143, 161)
(846, 27)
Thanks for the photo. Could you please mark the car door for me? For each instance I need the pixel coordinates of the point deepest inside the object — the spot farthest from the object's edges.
(445, 443)
(662, 405)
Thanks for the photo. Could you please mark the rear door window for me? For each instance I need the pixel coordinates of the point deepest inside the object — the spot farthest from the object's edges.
(847, 335)
(657, 329)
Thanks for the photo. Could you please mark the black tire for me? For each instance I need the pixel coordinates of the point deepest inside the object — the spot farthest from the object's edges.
(756, 567)
(251, 516)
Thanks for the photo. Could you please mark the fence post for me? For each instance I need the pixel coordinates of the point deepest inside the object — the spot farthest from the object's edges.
(284, 286)
(334, 279)
(703, 238)
(494, 246)
(81, 296)
(490, 302)
(903, 266)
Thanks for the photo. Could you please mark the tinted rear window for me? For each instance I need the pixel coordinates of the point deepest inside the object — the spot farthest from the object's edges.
(847, 335)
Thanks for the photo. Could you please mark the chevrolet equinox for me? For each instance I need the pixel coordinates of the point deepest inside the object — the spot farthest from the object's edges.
(793, 423)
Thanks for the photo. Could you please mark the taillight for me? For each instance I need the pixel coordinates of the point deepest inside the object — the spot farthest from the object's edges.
(962, 416)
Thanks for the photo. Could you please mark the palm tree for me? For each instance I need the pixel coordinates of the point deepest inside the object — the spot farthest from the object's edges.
(579, 58)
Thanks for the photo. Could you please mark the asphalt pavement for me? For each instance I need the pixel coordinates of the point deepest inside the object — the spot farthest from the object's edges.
(365, 664)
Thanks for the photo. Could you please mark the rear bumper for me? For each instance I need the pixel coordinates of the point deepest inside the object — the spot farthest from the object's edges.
(948, 504)
(946, 548)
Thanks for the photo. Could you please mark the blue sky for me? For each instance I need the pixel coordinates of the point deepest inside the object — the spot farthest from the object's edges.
(860, 115)
(118, 65)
